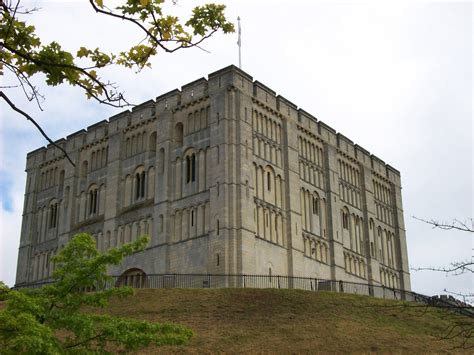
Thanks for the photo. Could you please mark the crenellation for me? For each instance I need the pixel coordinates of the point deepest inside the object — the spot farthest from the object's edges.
(122, 115)
(265, 95)
(168, 101)
(194, 91)
(362, 155)
(328, 134)
(345, 145)
(229, 76)
(306, 119)
(378, 165)
(221, 170)
(393, 175)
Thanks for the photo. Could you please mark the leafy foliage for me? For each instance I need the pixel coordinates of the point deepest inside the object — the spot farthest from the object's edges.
(4, 289)
(52, 320)
(24, 54)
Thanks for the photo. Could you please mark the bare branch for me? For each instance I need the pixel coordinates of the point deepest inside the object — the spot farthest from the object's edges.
(457, 268)
(29, 118)
(456, 224)
(34, 93)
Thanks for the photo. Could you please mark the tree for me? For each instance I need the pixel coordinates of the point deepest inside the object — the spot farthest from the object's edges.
(4, 289)
(52, 319)
(459, 266)
(462, 328)
(23, 53)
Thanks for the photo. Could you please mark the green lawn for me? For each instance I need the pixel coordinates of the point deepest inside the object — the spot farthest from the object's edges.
(292, 321)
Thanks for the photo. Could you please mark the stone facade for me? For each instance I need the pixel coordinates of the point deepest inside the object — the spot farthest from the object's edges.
(226, 177)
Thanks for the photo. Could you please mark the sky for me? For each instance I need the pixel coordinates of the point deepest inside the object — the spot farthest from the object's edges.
(395, 77)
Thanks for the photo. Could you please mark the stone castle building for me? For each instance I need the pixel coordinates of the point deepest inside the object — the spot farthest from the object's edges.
(227, 178)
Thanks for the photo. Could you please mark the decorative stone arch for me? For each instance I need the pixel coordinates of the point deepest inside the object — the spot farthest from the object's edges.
(190, 161)
(139, 183)
(53, 213)
(269, 184)
(345, 215)
(84, 168)
(128, 147)
(92, 197)
(133, 277)
(178, 134)
(152, 145)
(61, 178)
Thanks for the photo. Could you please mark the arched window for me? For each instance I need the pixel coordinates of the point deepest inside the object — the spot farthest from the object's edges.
(133, 278)
(93, 200)
(53, 214)
(140, 185)
(61, 178)
(269, 181)
(84, 168)
(128, 148)
(152, 145)
(345, 219)
(315, 206)
(191, 168)
(178, 134)
(188, 169)
(161, 161)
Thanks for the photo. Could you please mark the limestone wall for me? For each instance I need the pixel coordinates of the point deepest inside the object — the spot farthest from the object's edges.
(227, 177)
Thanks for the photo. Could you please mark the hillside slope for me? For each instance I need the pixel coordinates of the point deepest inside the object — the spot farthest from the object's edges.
(291, 321)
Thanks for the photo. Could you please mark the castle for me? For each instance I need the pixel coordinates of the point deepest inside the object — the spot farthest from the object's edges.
(227, 178)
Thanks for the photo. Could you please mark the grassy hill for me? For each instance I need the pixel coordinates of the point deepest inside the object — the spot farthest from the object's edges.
(291, 321)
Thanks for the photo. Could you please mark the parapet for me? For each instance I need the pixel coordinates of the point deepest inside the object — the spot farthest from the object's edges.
(230, 77)
(168, 100)
(194, 90)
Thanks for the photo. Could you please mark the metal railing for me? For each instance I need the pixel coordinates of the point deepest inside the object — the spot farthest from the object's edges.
(264, 281)
(260, 281)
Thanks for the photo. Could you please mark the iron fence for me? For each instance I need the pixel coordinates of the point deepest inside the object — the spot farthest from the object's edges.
(260, 281)
(264, 281)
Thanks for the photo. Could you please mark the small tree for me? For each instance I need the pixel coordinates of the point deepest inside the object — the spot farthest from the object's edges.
(52, 319)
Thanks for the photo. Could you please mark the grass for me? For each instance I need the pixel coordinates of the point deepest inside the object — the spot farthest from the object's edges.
(291, 321)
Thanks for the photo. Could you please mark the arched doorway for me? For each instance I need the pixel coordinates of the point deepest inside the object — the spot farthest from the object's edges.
(135, 278)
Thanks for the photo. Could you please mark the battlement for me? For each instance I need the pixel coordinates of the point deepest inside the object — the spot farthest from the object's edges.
(200, 89)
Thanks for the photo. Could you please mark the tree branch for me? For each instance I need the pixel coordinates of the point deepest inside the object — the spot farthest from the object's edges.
(456, 224)
(157, 41)
(29, 118)
(109, 99)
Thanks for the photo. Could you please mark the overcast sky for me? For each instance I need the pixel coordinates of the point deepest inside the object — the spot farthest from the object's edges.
(396, 79)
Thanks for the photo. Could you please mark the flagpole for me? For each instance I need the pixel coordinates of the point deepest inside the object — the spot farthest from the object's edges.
(239, 43)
